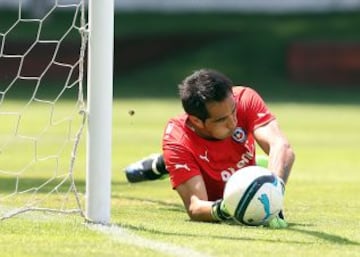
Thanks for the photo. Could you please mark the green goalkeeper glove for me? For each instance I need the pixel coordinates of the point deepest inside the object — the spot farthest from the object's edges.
(278, 222)
(218, 211)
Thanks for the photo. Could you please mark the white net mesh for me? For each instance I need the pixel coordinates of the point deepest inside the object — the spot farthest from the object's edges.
(42, 109)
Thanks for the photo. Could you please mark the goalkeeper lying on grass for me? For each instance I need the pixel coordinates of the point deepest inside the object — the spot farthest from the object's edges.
(213, 139)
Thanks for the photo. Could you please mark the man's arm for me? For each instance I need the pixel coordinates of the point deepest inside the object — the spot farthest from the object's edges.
(275, 144)
(194, 195)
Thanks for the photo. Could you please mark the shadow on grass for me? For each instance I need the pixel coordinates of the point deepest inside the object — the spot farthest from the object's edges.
(331, 238)
(194, 235)
(7, 186)
(335, 239)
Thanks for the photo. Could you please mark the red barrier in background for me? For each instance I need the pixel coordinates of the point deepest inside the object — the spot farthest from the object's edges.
(324, 62)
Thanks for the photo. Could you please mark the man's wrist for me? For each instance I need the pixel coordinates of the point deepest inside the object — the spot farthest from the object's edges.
(218, 213)
(282, 183)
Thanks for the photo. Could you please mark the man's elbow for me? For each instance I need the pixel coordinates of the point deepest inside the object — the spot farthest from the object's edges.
(194, 213)
(199, 211)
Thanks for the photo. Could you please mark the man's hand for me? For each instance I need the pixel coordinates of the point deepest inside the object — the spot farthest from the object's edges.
(278, 222)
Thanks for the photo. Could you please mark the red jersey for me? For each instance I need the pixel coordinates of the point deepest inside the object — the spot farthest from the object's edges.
(186, 154)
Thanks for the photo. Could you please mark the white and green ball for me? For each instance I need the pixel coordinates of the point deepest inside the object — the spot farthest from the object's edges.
(253, 196)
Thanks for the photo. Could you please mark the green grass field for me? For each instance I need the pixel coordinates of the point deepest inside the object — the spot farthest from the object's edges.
(322, 207)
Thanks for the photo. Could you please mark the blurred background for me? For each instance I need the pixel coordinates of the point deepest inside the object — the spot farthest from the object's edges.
(302, 56)
(295, 50)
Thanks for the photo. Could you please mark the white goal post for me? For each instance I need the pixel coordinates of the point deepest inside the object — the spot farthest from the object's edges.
(43, 113)
(100, 93)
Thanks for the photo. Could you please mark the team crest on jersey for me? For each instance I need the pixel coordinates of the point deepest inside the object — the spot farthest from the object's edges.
(239, 135)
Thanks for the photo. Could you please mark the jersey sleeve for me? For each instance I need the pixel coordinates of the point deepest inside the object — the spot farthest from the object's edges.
(257, 113)
(178, 156)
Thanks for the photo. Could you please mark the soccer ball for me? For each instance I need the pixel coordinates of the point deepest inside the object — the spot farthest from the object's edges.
(253, 196)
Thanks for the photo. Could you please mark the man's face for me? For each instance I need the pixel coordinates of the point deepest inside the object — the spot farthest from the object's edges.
(222, 119)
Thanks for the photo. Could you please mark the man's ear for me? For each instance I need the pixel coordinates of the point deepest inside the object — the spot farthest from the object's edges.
(196, 122)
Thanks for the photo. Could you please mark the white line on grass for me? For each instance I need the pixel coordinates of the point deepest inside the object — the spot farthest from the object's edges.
(123, 236)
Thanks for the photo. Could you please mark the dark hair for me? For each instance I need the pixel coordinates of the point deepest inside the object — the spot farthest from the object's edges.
(202, 87)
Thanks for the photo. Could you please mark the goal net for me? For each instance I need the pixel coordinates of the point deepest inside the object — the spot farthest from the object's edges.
(42, 108)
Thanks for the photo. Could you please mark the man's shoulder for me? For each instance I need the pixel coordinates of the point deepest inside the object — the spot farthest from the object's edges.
(243, 90)
(178, 121)
(246, 95)
(239, 88)
(175, 127)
